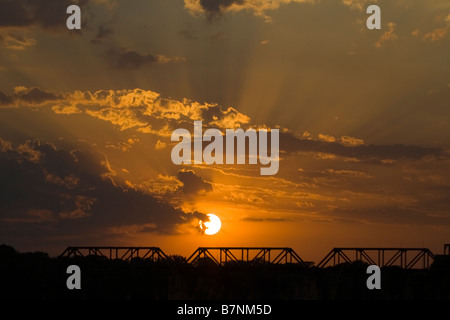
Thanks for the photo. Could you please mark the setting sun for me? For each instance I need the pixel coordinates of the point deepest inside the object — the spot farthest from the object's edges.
(212, 226)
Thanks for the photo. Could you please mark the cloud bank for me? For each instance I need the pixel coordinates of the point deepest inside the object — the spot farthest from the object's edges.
(50, 193)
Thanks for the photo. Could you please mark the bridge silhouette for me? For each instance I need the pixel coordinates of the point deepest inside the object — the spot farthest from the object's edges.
(252, 255)
(406, 258)
(122, 253)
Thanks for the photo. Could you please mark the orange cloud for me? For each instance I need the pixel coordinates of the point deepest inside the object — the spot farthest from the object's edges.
(143, 110)
(436, 34)
(351, 141)
(213, 9)
(160, 145)
(387, 36)
(16, 39)
(326, 137)
(358, 4)
(65, 109)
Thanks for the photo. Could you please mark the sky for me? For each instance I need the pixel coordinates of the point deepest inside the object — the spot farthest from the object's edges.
(86, 118)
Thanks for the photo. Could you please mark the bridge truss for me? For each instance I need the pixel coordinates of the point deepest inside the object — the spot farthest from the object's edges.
(122, 253)
(407, 258)
(252, 255)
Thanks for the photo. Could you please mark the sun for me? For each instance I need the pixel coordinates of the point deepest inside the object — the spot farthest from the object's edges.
(212, 226)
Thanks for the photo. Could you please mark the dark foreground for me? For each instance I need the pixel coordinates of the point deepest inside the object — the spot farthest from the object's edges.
(37, 276)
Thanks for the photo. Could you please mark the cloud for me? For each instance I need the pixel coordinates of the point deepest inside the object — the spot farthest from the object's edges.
(291, 144)
(121, 146)
(358, 4)
(5, 99)
(217, 37)
(192, 184)
(352, 182)
(35, 95)
(261, 219)
(163, 185)
(351, 141)
(349, 173)
(326, 137)
(28, 96)
(121, 58)
(391, 214)
(441, 32)
(230, 118)
(123, 118)
(48, 14)
(188, 32)
(48, 193)
(147, 112)
(13, 13)
(16, 40)
(143, 110)
(436, 34)
(387, 36)
(213, 9)
(160, 145)
(102, 33)
(65, 109)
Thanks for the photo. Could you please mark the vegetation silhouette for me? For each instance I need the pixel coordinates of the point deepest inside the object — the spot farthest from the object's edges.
(38, 276)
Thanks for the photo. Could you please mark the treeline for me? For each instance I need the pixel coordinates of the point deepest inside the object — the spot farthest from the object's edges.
(38, 276)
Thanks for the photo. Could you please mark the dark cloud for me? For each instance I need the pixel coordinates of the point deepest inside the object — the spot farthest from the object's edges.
(102, 32)
(14, 13)
(46, 193)
(49, 14)
(260, 219)
(5, 99)
(290, 143)
(33, 95)
(214, 8)
(188, 32)
(37, 95)
(217, 37)
(192, 184)
(129, 59)
(211, 113)
(121, 58)
(16, 40)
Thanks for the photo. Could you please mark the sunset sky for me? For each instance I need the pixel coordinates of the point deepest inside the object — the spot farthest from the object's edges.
(86, 119)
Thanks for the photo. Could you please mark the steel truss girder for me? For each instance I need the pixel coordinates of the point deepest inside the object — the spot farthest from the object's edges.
(122, 253)
(385, 257)
(251, 255)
